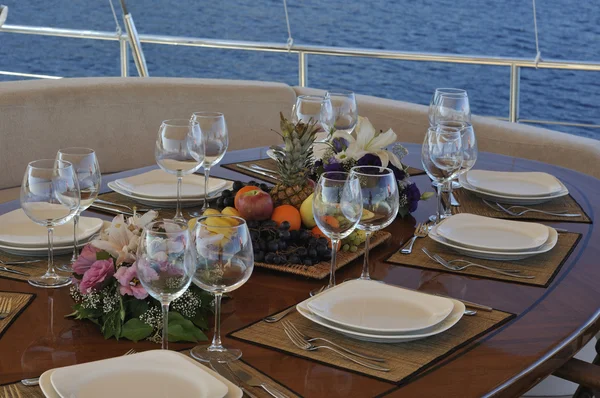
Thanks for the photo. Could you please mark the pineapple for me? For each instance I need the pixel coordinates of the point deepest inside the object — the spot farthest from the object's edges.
(294, 163)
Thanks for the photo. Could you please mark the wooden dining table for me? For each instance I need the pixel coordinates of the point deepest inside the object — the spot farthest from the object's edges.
(551, 324)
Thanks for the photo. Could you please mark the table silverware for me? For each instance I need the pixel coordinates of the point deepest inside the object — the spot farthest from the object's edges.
(509, 210)
(421, 231)
(470, 312)
(453, 200)
(257, 167)
(18, 262)
(128, 208)
(228, 374)
(252, 381)
(5, 307)
(13, 271)
(110, 210)
(309, 339)
(280, 316)
(262, 173)
(465, 302)
(306, 346)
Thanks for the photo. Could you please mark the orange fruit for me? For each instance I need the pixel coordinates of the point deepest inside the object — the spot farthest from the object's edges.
(241, 191)
(331, 221)
(287, 213)
(317, 233)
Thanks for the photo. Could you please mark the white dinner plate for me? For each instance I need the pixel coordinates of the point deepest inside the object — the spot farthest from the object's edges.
(512, 200)
(514, 183)
(158, 184)
(19, 231)
(496, 255)
(374, 307)
(451, 320)
(42, 251)
(492, 234)
(157, 373)
(232, 390)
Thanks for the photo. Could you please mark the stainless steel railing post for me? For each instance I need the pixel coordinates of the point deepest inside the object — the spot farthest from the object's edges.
(302, 69)
(515, 79)
(124, 55)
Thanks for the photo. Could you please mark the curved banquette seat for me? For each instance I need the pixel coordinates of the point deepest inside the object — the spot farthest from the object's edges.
(119, 118)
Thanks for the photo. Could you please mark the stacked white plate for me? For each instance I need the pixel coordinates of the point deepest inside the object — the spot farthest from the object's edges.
(376, 312)
(157, 188)
(494, 239)
(21, 236)
(158, 373)
(520, 188)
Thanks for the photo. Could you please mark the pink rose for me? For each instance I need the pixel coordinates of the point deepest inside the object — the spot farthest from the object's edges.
(85, 259)
(130, 284)
(93, 278)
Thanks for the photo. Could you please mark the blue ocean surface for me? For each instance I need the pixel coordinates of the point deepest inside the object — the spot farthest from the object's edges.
(568, 31)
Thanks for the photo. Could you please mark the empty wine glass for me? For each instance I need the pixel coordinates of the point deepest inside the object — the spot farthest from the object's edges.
(380, 201)
(449, 104)
(315, 109)
(337, 208)
(180, 151)
(345, 113)
(216, 141)
(441, 156)
(86, 166)
(224, 262)
(165, 264)
(50, 197)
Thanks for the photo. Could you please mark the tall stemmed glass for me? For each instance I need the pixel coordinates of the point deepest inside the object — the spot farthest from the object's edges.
(380, 202)
(50, 197)
(225, 261)
(441, 156)
(337, 208)
(180, 151)
(216, 141)
(315, 109)
(449, 104)
(165, 264)
(345, 113)
(86, 166)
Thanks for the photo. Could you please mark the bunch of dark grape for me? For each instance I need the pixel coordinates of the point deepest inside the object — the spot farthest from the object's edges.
(228, 196)
(280, 246)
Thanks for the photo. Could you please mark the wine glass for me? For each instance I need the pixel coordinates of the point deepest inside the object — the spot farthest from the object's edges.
(165, 264)
(449, 104)
(337, 208)
(345, 113)
(225, 260)
(380, 200)
(315, 109)
(216, 141)
(180, 151)
(441, 156)
(86, 166)
(50, 197)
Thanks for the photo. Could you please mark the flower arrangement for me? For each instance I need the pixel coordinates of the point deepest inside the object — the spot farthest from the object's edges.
(344, 151)
(107, 292)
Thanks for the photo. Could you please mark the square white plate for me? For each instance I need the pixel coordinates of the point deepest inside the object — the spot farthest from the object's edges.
(493, 234)
(514, 183)
(157, 373)
(162, 185)
(374, 307)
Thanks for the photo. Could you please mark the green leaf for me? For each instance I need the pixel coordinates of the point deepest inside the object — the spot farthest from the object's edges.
(102, 255)
(136, 330)
(427, 195)
(200, 320)
(403, 212)
(81, 312)
(135, 307)
(175, 316)
(181, 329)
(112, 325)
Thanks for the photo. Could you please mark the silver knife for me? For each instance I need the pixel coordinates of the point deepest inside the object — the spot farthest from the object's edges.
(224, 371)
(111, 209)
(254, 382)
(13, 271)
(262, 173)
(257, 167)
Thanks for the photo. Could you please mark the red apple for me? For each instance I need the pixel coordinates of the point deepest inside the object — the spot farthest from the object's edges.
(255, 205)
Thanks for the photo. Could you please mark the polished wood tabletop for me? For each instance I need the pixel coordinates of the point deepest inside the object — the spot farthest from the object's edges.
(551, 324)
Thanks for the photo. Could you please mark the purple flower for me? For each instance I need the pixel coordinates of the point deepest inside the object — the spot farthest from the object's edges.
(85, 259)
(413, 195)
(130, 284)
(333, 165)
(94, 277)
(369, 160)
(339, 144)
(398, 173)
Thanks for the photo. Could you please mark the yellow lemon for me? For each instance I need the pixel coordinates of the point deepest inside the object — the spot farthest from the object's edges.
(230, 211)
(306, 212)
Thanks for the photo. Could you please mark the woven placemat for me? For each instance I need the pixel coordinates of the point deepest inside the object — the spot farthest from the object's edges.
(272, 165)
(322, 269)
(17, 302)
(404, 359)
(471, 203)
(34, 269)
(543, 266)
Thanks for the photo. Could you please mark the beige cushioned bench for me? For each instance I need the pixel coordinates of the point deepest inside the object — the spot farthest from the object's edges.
(119, 118)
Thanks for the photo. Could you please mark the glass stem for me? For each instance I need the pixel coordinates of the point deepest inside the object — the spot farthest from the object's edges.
(165, 331)
(365, 271)
(75, 242)
(439, 203)
(50, 272)
(216, 344)
(334, 248)
(178, 215)
(206, 175)
(447, 191)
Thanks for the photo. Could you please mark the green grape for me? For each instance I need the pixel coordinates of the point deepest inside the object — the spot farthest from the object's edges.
(353, 249)
(346, 247)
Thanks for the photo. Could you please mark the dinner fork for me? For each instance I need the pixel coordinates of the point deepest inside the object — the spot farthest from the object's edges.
(18, 262)
(421, 231)
(309, 339)
(106, 202)
(5, 307)
(306, 346)
(11, 391)
(509, 210)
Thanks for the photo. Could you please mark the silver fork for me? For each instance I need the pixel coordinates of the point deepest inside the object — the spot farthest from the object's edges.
(509, 210)
(309, 339)
(5, 307)
(306, 346)
(278, 317)
(11, 391)
(106, 202)
(18, 262)
(421, 231)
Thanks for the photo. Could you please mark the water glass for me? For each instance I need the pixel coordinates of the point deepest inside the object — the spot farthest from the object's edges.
(315, 109)
(337, 208)
(449, 104)
(180, 151)
(380, 200)
(345, 113)
(50, 197)
(86, 166)
(165, 264)
(224, 262)
(216, 141)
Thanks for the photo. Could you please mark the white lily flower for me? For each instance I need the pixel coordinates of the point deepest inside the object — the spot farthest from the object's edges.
(368, 141)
